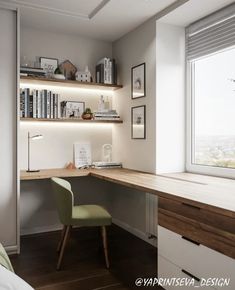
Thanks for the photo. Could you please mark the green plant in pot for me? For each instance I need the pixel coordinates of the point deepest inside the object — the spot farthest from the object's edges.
(87, 114)
(58, 74)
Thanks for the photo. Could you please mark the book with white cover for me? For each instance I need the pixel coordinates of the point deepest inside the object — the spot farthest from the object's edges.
(82, 154)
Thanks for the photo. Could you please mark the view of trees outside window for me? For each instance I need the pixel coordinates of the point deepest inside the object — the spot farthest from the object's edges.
(214, 110)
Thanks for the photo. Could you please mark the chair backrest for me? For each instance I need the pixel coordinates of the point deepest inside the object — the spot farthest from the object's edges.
(64, 199)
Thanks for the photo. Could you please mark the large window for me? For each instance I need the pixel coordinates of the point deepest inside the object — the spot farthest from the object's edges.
(211, 101)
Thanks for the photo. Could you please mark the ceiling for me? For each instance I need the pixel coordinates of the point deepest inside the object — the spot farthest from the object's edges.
(194, 10)
(103, 19)
(107, 19)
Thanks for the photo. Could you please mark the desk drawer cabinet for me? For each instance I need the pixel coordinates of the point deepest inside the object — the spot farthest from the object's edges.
(211, 229)
(198, 240)
(200, 261)
(168, 269)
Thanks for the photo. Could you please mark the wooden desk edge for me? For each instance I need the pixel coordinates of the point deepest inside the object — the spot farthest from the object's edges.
(48, 173)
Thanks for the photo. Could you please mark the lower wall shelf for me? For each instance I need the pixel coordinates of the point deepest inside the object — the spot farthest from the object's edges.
(69, 120)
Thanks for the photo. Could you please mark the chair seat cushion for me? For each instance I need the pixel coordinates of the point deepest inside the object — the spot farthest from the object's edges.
(90, 215)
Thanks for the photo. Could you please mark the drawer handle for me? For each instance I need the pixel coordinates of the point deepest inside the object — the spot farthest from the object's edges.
(190, 205)
(190, 275)
(191, 241)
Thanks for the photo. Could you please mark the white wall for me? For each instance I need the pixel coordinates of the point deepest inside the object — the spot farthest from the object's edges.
(81, 51)
(170, 109)
(128, 206)
(135, 48)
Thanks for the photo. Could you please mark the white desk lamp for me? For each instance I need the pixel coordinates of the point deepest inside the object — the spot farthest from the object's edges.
(35, 137)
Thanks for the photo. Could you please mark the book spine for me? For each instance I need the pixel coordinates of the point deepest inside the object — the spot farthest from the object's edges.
(37, 100)
(34, 104)
(114, 72)
(30, 107)
(48, 105)
(22, 100)
(43, 104)
(106, 70)
(52, 106)
(39, 104)
(56, 106)
(26, 102)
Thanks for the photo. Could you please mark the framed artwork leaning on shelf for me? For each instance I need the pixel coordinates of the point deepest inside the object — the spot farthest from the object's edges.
(49, 65)
(72, 109)
(138, 87)
(138, 122)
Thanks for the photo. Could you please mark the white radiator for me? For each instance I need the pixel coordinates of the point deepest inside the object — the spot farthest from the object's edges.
(151, 215)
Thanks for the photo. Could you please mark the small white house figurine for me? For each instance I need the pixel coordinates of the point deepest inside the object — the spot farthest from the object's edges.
(84, 76)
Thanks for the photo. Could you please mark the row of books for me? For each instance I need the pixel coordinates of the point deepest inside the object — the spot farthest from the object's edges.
(108, 115)
(106, 71)
(38, 104)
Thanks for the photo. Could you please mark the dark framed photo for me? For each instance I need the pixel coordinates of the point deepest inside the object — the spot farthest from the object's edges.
(138, 87)
(49, 64)
(138, 122)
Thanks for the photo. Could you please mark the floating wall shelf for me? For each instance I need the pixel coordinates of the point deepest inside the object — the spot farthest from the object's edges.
(69, 120)
(67, 83)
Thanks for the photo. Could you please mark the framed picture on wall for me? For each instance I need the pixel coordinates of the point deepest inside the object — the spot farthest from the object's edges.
(138, 89)
(138, 122)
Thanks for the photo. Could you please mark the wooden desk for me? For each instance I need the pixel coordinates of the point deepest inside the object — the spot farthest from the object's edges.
(199, 207)
(216, 194)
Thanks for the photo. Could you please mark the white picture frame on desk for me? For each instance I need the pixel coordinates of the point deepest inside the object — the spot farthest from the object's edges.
(82, 154)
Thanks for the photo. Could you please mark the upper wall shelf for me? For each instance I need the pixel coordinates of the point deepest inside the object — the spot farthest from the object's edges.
(67, 83)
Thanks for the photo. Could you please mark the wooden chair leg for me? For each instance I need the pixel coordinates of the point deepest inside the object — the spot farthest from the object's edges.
(105, 245)
(61, 239)
(65, 240)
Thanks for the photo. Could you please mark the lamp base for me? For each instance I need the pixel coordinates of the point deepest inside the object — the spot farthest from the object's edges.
(33, 170)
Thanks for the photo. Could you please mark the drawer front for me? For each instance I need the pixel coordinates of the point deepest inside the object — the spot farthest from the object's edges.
(206, 235)
(166, 270)
(196, 259)
(201, 215)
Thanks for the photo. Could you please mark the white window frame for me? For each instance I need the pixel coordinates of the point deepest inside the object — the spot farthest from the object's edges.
(190, 167)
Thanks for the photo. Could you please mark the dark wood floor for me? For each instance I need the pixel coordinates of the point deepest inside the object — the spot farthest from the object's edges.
(83, 265)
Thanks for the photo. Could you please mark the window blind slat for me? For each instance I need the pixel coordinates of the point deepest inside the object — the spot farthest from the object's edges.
(210, 39)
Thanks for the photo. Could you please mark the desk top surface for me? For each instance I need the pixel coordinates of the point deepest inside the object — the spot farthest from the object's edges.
(217, 194)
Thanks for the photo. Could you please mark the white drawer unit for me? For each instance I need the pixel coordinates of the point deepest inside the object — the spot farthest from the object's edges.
(167, 270)
(195, 258)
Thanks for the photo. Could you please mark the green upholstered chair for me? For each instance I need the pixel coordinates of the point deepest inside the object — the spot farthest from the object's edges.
(77, 215)
(4, 259)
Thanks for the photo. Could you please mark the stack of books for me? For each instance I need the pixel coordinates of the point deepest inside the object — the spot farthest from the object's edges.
(101, 164)
(108, 115)
(41, 104)
(106, 72)
(32, 71)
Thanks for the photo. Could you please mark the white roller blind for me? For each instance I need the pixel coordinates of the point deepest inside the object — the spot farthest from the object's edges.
(211, 34)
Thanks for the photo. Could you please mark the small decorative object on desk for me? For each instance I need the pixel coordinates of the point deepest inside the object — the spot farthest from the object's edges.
(138, 89)
(107, 153)
(70, 165)
(49, 65)
(82, 154)
(72, 109)
(138, 120)
(68, 69)
(87, 114)
(84, 76)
